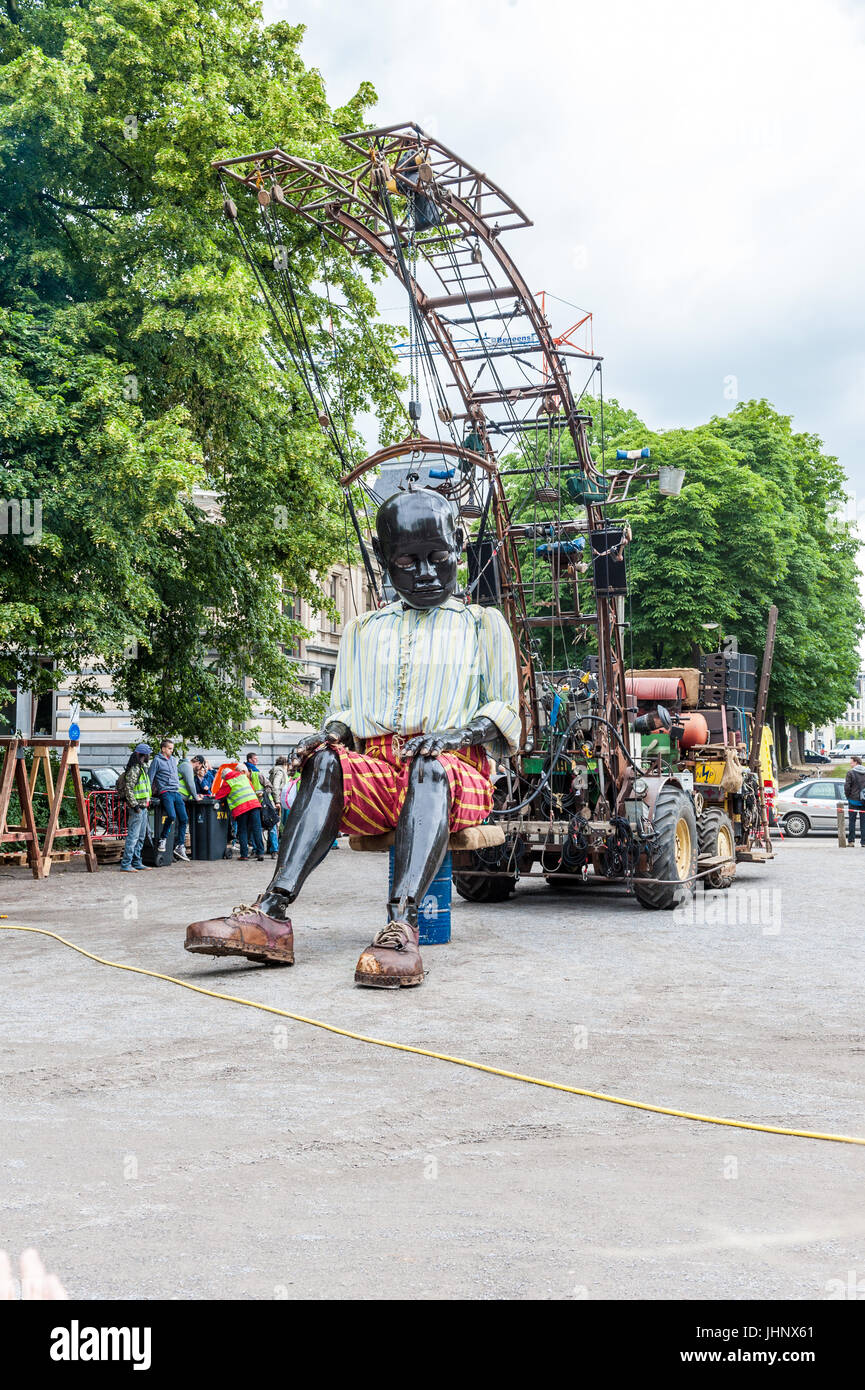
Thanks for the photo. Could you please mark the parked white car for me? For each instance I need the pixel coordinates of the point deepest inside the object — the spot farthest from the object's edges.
(811, 804)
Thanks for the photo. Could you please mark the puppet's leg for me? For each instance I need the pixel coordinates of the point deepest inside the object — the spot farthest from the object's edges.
(263, 932)
(421, 838)
(310, 830)
(393, 958)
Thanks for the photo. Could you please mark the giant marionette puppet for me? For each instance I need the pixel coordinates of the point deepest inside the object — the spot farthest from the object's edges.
(422, 688)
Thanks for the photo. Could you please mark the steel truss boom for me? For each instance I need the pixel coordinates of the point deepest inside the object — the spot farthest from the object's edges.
(372, 207)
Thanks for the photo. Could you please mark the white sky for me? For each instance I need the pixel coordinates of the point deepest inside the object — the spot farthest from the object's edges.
(694, 171)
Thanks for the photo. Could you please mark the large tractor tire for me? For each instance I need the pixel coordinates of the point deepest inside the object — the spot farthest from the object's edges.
(675, 857)
(716, 836)
(484, 887)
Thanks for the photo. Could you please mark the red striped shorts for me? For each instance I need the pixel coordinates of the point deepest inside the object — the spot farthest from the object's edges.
(375, 784)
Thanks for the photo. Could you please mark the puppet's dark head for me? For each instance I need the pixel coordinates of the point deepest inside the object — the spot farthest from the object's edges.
(419, 544)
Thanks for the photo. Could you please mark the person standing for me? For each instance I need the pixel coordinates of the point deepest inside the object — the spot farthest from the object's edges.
(254, 772)
(278, 778)
(218, 791)
(165, 782)
(234, 783)
(261, 788)
(277, 782)
(134, 785)
(289, 794)
(854, 790)
(204, 774)
(186, 780)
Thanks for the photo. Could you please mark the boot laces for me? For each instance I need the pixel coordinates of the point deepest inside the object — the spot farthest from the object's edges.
(395, 934)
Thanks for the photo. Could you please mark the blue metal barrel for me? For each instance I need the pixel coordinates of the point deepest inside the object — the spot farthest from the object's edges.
(434, 910)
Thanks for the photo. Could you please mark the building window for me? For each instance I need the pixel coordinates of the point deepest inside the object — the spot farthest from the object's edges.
(44, 715)
(291, 609)
(326, 679)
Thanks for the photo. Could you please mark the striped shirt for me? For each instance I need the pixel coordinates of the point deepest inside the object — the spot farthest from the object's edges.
(408, 671)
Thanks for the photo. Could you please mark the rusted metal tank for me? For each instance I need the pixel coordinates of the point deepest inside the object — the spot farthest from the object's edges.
(696, 729)
(658, 689)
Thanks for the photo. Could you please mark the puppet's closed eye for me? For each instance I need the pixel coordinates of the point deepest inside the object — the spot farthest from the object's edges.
(408, 562)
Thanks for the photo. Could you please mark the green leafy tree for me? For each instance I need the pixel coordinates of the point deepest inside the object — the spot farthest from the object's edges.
(139, 363)
(817, 592)
(754, 525)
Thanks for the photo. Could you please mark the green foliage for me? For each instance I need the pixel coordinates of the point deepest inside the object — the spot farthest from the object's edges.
(752, 526)
(817, 592)
(139, 364)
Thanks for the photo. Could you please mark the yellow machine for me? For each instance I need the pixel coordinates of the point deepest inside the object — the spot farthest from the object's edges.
(718, 736)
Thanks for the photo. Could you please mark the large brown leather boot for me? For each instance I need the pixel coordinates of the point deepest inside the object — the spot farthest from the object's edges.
(247, 932)
(392, 960)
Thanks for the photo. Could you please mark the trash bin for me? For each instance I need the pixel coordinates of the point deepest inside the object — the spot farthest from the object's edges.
(434, 909)
(149, 853)
(208, 828)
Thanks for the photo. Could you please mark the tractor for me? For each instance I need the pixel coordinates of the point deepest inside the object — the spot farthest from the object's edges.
(609, 787)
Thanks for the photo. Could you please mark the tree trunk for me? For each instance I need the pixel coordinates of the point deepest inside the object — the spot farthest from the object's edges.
(797, 747)
(782, 751)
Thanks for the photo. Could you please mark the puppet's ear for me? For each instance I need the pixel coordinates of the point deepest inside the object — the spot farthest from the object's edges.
(377, 552)
(459, 539)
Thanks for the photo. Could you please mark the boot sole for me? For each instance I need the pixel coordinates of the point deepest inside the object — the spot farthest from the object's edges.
(212, 946)
(382, 982)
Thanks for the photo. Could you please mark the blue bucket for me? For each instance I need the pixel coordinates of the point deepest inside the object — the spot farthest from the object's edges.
(434, 911)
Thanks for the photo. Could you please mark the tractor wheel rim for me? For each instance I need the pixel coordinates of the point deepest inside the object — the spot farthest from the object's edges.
(725, 843)
(683, 848)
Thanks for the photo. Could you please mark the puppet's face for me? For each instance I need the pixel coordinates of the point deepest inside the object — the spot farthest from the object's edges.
(419, 545)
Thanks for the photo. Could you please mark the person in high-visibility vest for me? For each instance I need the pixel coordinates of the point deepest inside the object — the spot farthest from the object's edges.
(186, 780)
(254, 772)
(232, 782)
(137, 792)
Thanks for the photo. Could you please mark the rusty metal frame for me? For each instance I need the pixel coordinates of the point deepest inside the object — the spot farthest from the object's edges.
(348, 207)
(417, 444)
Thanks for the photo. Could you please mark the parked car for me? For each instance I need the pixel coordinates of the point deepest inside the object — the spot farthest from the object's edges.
(812, 756)
(811, 804)
(99, 779)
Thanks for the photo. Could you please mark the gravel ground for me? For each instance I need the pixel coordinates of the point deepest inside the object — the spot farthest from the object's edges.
(161, 1144)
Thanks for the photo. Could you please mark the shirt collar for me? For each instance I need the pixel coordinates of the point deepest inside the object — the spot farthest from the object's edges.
(452, 604)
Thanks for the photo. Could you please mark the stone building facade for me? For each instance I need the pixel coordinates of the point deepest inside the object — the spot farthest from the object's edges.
(106, 738)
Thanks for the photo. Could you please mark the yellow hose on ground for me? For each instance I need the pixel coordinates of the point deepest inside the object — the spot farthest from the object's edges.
(441, 1056)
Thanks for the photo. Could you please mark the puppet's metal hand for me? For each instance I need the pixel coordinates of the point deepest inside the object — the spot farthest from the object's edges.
(429, 745)
(328, 737)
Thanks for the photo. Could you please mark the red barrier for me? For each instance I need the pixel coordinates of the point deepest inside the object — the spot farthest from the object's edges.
(106, 814)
